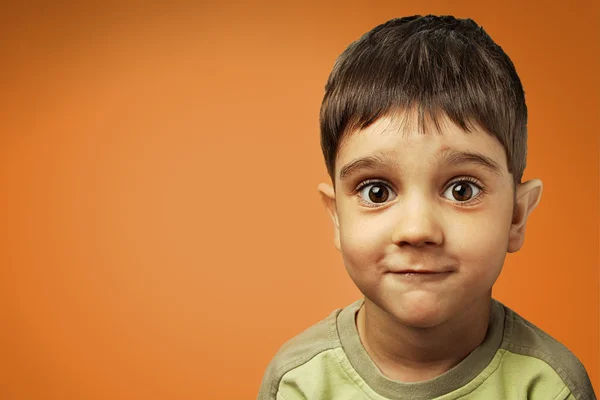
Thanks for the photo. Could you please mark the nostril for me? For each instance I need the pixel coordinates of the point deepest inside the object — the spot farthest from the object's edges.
(417, 243)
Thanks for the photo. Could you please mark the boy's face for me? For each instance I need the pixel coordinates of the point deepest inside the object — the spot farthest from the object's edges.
(426, 235)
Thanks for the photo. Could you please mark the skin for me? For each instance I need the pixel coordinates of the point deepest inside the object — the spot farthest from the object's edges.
(416, 327)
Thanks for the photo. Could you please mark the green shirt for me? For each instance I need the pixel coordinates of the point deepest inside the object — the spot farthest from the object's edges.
(516, 360)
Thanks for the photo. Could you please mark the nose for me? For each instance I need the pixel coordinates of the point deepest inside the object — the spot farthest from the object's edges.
(418, 222)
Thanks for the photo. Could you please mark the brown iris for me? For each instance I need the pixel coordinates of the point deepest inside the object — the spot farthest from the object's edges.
(462, 192)
(378, 193)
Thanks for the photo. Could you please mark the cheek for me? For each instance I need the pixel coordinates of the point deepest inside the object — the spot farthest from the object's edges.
(358, 247)
(364, 238)
(362, 244)
(482, 248)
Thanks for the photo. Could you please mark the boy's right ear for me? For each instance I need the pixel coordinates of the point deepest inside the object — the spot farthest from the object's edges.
(328, 197)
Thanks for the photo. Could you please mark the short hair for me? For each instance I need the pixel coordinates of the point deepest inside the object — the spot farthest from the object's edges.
(436, 64)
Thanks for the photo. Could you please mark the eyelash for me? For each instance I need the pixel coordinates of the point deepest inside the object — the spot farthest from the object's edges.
(468, 203)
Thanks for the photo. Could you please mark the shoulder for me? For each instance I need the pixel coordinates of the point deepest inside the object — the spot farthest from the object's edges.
(524, 338)
(298, 351)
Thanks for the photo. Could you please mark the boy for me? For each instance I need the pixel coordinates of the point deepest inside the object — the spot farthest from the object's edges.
(423, 129)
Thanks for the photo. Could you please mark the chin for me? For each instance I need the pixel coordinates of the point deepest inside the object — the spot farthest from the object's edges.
(418, 311)
(420, 321)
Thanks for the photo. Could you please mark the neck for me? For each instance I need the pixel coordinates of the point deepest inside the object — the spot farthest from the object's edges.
(410, 354)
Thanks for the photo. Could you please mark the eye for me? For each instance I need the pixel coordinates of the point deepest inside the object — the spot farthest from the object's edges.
(374, 192)
(462, 191)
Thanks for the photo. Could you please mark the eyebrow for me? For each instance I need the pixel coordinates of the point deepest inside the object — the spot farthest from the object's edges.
(376, 161)
(446, 157)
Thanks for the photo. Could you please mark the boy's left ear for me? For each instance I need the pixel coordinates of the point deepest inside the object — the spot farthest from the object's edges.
(528, 196)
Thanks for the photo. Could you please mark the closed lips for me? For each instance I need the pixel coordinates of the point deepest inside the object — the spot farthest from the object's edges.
(420, 271)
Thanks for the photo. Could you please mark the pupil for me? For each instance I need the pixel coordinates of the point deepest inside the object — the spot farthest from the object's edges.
(377, 193)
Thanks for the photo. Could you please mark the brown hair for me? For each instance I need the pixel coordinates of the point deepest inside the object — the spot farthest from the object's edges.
(436, 64)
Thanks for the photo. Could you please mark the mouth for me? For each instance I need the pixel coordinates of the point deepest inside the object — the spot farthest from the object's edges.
(421, 275)
(419, 272)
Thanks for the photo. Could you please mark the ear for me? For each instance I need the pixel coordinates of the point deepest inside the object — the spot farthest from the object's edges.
(327, 193)
(527, 198)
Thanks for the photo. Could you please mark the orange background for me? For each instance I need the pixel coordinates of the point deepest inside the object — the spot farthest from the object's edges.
(162, 235)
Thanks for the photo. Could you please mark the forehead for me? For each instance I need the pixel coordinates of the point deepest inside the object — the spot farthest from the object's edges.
(399, 138)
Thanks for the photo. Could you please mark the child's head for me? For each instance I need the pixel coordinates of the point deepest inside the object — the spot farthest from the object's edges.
(428, 113)
(438, 65)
